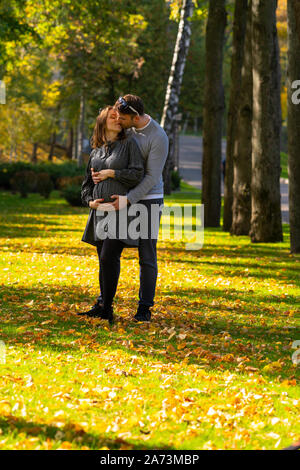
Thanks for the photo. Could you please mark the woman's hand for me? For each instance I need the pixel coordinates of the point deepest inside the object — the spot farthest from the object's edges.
(102, 175)
(94, 204)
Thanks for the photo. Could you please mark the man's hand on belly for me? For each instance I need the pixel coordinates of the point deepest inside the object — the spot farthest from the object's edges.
(120, 201)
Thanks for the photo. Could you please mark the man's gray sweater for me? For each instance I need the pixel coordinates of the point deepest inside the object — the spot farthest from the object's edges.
(154, 145)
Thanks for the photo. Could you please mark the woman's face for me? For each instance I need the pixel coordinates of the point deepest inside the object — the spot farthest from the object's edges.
(112, 122)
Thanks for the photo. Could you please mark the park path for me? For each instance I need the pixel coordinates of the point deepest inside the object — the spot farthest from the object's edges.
(190, 163)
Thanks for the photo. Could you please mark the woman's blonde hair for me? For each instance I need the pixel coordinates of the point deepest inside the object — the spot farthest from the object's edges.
(99, 137)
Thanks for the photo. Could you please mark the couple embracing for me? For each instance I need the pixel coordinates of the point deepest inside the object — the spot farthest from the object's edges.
(129, 151)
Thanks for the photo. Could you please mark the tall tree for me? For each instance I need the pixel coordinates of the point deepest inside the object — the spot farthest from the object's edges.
(294, 122)
(242, 151)
(174, 84)
(80, 131)
(14, 26)
(213, 113)
(193, 80)
(239, 32)
(266, 223)
(155, 45)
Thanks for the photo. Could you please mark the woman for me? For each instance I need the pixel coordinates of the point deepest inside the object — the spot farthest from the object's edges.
(120, 163)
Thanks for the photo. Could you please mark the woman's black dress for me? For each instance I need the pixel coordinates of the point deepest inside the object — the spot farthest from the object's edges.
(123, 156)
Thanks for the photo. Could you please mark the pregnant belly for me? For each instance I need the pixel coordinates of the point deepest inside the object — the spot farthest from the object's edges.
(105, 189)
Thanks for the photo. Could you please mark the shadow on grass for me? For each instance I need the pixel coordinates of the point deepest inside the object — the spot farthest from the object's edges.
(222, 295)
(69, 433)
(281, 254)
(271, 258)
(36, 204)
(204, 323)
(16, 223)
(188, 312)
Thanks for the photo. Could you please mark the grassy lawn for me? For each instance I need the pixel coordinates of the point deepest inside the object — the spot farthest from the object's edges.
(213, 370)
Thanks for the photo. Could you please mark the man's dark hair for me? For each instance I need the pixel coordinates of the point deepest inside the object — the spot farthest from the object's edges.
(130, 104)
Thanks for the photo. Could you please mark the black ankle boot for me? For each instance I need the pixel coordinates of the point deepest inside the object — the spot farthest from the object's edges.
(107, 314)
(94, 312)
(143, 313)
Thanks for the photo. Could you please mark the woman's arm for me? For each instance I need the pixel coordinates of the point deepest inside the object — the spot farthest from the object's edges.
(88, 185)
(134, 173)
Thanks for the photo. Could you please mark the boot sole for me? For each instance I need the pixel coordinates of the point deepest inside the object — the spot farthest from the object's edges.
(110, 321)
(87, 314)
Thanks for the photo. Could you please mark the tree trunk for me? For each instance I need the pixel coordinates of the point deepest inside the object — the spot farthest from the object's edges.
(174, 85)
(2, 91)
(239, 32)
(213, 110)
(176, 145)
(80, 133)
(186, 122)
(11, 153)
(52, 145)
(53, 137)
(195, 125)
(22, 153)
(111, 88)
(70, 144)
(294, 124)
(242, 151)
(34, 152)
(75, 142)
(266, 223)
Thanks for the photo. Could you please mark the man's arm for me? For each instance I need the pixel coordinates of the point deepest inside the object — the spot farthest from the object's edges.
(134, 173)
(154, 167)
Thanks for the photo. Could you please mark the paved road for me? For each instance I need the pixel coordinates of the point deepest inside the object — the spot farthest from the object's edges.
(190, 162)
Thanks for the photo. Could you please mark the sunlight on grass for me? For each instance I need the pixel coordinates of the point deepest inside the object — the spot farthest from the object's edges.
(213, 369)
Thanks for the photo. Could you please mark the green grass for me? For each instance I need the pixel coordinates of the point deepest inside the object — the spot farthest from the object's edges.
(212, 370)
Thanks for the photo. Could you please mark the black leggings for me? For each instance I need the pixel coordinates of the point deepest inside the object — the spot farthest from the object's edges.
(109, 254)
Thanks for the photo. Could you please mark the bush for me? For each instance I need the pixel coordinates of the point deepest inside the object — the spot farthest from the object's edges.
(9, 170)
(65, 181)
(24, 182)
(29, 181)
(175, 180)
(72, 194)
(44, 184)
(54, 170)
(61, 170)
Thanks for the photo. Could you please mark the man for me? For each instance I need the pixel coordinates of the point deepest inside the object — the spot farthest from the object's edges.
(154, 145)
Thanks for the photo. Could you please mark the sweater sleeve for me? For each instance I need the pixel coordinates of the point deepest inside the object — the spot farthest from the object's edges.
(154, 167)
(133, 174)
(88, 184)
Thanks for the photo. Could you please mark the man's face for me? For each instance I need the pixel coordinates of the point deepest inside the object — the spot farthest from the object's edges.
(126, 120)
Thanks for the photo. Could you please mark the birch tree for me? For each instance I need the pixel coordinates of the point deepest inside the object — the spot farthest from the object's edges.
(174, 85)
(80, 129)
